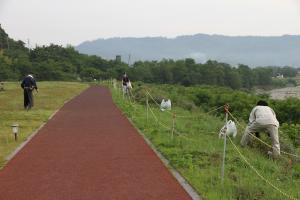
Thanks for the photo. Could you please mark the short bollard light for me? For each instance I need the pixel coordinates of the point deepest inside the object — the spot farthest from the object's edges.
(15, 130)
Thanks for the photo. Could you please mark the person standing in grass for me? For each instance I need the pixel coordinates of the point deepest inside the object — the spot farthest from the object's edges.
(263, 118)
(28, 84)
(125, 82)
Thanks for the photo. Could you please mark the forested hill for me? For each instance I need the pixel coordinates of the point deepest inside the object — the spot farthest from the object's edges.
(8, 43)
(52, 62)
(249, 50)
(55, 62)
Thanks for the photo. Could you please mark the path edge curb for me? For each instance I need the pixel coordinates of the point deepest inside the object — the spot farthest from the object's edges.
(180, 179)
(30, 137)
(10, 156)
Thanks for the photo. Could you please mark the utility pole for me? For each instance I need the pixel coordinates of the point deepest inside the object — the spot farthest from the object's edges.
(226, 109)
(129, 57)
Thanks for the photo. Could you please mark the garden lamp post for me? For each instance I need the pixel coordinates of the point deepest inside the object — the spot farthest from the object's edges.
(15, 130)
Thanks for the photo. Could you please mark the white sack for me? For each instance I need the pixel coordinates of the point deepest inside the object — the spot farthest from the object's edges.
(228, 129)
(129, 85)
(165, 105)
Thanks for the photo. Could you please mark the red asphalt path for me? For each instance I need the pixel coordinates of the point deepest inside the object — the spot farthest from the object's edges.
(88, 151)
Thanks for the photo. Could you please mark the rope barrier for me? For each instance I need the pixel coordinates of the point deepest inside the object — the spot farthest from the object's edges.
(157, 102)
(205, 113)
(218, 108)
(182, 116)
(169, 128)
(257, 173)
(245, 160)
(133, 97)
(235, 147)
(152, 98)
(235, 119)
(263, 142)
(260, 140)
(169, 112)
(163, 125)
(175, 131)
(178, 116)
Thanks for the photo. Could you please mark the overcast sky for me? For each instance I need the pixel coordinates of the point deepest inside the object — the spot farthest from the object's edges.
(74, 21)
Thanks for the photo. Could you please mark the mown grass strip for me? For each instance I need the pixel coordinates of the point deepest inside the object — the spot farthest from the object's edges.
(51, 97)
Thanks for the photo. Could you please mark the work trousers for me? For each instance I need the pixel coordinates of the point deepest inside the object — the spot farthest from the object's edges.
(125, 90)
(28, 98)
(256, 127)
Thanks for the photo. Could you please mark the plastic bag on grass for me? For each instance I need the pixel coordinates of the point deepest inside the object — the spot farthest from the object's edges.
(228, 129)
(165, 105)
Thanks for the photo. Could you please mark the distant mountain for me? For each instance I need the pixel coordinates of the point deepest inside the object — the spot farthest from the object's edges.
(250, 50)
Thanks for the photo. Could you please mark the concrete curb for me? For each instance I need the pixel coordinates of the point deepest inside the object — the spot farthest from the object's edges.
(23, 144)
(181, 180)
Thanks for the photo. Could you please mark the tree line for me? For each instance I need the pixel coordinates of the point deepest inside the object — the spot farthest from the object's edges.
(187, 72)
(55, 62)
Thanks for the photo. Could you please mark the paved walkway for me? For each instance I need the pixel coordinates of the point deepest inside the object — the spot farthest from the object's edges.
(88, 151)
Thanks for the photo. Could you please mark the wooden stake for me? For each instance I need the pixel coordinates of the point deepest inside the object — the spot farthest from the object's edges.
(173, 125)
(147, 108)
(226, 107)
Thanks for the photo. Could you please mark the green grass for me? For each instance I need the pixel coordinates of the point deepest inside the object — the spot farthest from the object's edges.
(197, 154)
(51, 97)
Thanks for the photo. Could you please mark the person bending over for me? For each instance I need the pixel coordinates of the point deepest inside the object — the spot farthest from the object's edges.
(263, 118)
(28, 84)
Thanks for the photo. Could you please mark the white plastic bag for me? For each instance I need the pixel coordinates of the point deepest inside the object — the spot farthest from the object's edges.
(165, 105)
(129, 85)
(168, 104)
(229, 129)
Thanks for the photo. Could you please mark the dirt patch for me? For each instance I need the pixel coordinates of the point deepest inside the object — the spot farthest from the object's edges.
(284, 93)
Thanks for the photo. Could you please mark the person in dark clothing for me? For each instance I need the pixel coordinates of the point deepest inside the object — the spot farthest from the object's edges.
(125, 79)
(125, 82)
(28, 84)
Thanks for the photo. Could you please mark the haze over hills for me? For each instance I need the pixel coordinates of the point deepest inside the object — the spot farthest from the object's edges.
(250, 50)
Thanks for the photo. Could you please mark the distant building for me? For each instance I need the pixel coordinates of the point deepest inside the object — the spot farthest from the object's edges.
(118, 58)
(279, 76)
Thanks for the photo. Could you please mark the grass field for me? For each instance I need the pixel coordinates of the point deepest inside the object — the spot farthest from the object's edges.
(196, 152)
(51, 97)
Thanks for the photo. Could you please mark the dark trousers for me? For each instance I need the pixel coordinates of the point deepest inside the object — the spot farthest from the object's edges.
(28, 98)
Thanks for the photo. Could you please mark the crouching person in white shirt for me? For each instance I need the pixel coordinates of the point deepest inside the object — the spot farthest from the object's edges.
(263, 118)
